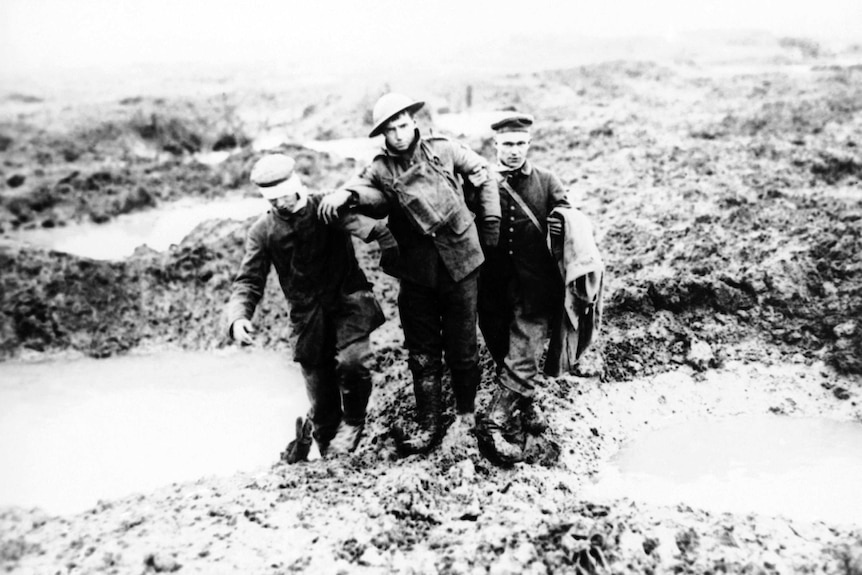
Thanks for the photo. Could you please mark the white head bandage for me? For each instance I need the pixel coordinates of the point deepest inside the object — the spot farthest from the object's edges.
(292, 185)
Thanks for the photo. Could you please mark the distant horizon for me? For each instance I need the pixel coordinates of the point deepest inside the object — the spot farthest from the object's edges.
(92, 82)
(52, 35)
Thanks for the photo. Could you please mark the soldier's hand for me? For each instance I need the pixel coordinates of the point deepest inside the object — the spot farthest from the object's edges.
(478, 177)
(329, 205)
(555, 226)
(242, 331)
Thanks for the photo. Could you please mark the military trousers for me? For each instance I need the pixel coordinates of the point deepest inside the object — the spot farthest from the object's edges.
(338, 389)
(440, 322)
(527, 336)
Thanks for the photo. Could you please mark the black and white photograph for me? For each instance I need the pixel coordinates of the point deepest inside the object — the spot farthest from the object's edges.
(415, 287)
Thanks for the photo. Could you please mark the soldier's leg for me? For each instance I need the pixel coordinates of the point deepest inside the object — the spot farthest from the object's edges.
(458, 306)
(420, 320)
(352, 366)
(494, 324)
(325, 399)
(527, 336)
(504, 421)
(354, 382)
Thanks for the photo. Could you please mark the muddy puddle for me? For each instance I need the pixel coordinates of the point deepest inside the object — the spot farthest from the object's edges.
(157, 228)
(73, 432)
(800, 468)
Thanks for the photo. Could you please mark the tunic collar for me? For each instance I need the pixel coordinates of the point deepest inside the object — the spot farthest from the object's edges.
(525, 169)
(408, 153)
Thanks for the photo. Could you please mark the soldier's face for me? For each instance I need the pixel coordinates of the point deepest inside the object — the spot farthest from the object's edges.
(512, 148)
(399, 132)
(284, 205)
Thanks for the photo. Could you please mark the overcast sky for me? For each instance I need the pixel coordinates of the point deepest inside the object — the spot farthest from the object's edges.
(41, 34)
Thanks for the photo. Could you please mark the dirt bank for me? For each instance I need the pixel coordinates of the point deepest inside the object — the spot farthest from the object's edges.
(455, 513)
(727, 205)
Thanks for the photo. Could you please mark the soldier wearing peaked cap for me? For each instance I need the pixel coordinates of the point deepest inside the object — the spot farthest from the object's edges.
(515, 122)
(415, 181)
(520, 288)
(332, 308)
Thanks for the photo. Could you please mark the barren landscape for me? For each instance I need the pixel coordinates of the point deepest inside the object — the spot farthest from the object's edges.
(727, 204)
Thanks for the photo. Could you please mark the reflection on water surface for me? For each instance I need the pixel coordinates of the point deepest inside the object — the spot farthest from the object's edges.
(157, 228)
(802, 468)
(76, 431)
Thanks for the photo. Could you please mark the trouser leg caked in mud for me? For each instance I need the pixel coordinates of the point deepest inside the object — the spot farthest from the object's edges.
(338, 393)
(520, 367)
(440, 321)
(323, 415)
(422, 434)
(527, 334)
(324, 399)
(513, 406)
(354, 383)
(354, 380)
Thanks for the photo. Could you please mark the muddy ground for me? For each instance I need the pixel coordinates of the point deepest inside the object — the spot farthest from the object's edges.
(728, 207)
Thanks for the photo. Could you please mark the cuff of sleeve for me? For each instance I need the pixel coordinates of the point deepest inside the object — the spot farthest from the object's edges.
(353, 200)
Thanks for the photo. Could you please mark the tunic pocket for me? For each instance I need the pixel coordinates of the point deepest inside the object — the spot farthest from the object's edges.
(426, 197)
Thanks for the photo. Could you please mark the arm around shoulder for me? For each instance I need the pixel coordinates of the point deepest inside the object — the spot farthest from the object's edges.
(474, 167)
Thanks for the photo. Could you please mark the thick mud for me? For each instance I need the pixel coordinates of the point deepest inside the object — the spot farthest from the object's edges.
(727, 204)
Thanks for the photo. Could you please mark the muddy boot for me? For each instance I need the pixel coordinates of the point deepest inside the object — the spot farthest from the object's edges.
(325, 399)
(355, 388)
(420, 437)
(297, 450)
(346, 439)
(497, 424)
(532, 417)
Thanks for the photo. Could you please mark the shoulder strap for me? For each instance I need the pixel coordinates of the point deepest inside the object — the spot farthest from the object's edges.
(432, 160)
(521, 203)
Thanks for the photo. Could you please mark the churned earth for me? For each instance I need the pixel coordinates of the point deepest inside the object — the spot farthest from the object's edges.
(727, 205)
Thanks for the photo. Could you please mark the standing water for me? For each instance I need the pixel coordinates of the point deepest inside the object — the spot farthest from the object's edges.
(73, 432)
(800, 468)
(157, 228)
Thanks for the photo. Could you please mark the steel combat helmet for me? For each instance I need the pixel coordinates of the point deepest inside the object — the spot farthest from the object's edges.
(391, 105)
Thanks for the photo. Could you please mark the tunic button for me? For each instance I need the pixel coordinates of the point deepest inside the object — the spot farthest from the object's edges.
(510, 252)
(511, 229)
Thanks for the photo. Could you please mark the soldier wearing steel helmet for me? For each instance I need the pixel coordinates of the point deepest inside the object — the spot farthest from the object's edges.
(332, 308)
(415, 181)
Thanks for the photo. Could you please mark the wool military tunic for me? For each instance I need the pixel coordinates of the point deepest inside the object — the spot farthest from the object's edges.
(427, 215)
(328, 294)
(522, 253)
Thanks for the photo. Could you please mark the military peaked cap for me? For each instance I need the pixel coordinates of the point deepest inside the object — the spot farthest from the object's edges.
(514, 122)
